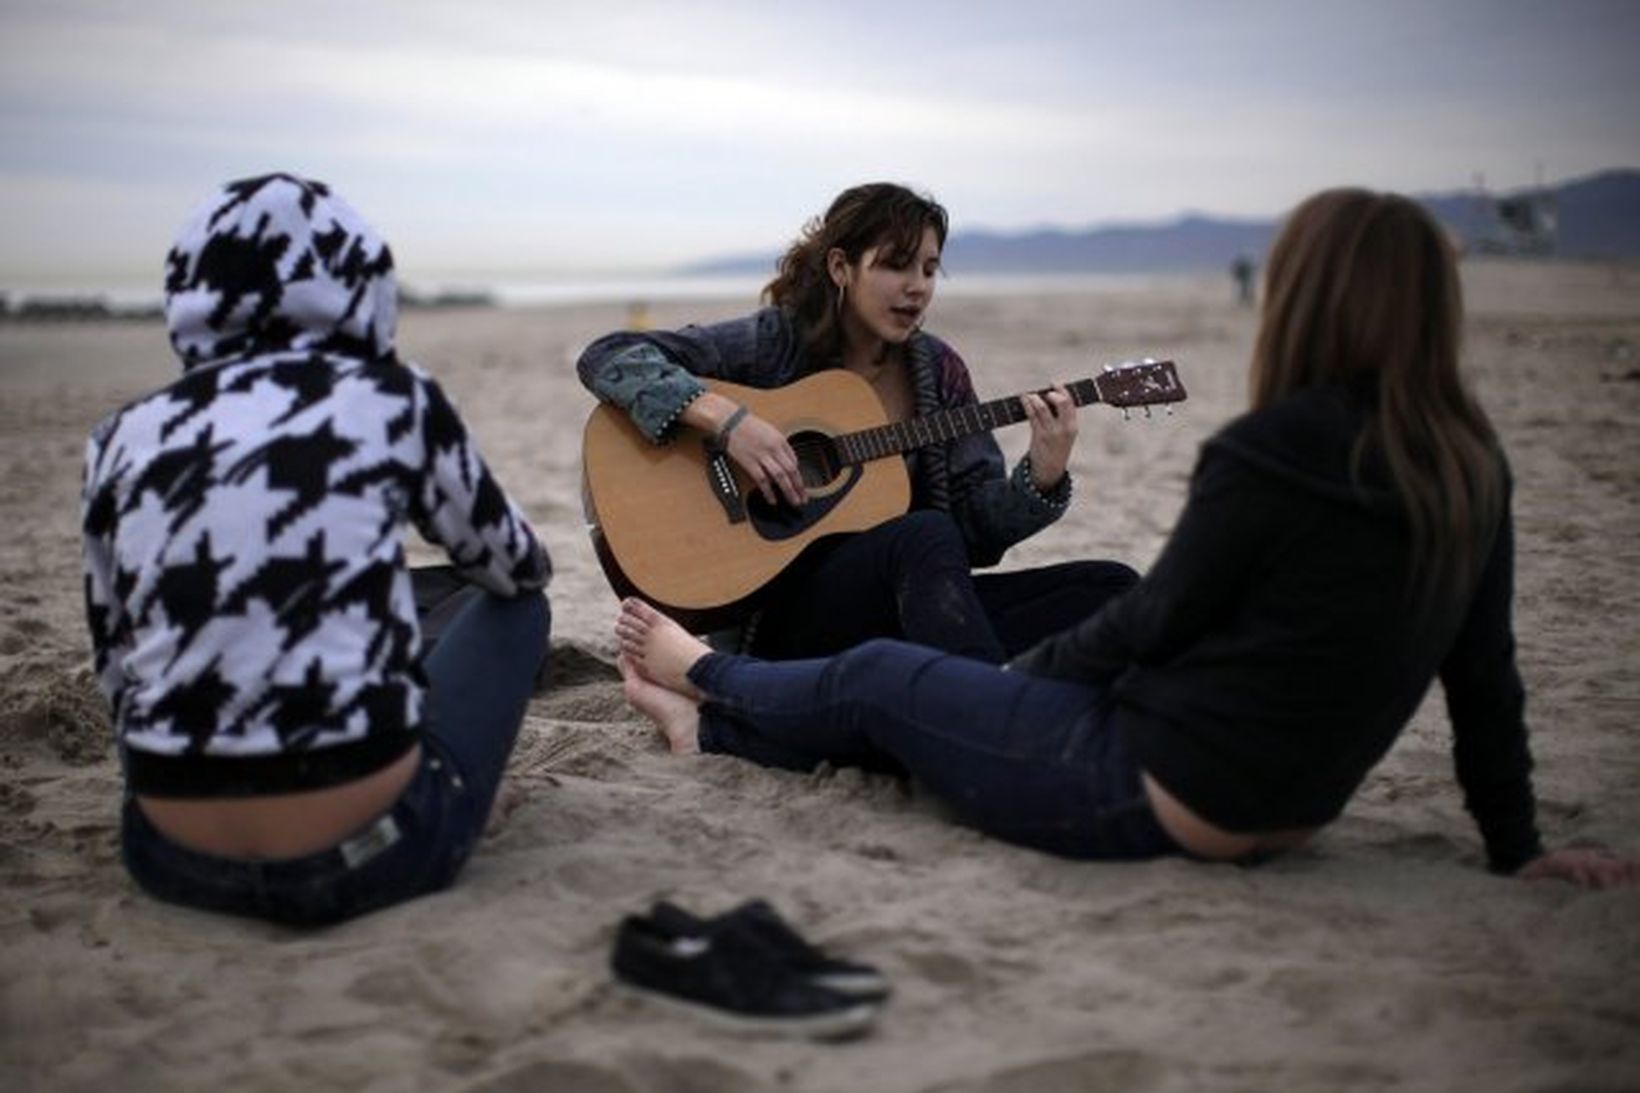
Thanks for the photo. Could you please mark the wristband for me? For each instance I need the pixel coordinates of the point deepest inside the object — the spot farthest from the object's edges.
(721, 437)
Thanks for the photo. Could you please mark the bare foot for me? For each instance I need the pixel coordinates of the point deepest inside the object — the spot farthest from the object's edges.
(661, 650)
(676, 716)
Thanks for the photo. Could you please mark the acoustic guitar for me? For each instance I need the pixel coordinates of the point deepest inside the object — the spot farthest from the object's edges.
(681, 526)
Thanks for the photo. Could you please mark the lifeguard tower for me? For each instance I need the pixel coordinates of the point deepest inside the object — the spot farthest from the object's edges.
(1523, 223)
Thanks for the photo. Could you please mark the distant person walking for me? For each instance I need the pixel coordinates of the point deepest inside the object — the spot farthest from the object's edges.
(1241, 271)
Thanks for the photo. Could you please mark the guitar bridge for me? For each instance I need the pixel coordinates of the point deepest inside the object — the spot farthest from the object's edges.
(720, 479)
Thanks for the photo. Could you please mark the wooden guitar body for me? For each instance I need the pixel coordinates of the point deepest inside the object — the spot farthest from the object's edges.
(664, 513)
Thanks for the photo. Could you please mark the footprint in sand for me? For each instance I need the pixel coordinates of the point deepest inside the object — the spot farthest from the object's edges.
(570, 664)
(1090, 1072)
(19, 635)
(945, 969)
(591, 1078)
(553, 1074)
(15, 800)
(581, 686)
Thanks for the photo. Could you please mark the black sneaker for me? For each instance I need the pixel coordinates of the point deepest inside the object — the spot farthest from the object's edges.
(733, 979)
(761, 920)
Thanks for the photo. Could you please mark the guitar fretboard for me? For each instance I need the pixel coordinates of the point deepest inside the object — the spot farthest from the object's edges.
(904, 436)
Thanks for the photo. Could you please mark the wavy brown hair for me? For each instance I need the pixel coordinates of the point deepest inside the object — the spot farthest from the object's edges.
(1367, 283)
(876, 214)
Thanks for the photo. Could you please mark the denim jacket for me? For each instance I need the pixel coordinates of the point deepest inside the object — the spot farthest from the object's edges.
(654, 375)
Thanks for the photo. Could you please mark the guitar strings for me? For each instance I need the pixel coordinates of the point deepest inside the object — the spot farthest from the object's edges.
(816, 458)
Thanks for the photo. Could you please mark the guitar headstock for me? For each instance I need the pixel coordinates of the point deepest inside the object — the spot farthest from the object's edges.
(1139, 383)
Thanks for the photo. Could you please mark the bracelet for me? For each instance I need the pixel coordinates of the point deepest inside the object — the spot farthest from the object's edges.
(1058, 497)
(721, 437)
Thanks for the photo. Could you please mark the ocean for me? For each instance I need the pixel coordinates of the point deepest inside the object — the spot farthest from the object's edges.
(511, 290)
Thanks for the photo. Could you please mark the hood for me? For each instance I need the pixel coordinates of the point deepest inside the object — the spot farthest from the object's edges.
(279, 263)
(1313, 439)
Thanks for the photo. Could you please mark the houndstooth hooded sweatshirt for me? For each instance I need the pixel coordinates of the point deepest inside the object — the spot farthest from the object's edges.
(250, 611)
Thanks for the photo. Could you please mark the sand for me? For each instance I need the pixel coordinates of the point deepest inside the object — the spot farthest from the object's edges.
(1383, 956)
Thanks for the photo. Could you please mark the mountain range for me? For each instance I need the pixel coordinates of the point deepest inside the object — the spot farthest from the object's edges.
(1597, 216)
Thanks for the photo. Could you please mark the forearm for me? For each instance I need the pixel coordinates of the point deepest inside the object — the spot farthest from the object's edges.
(462, 507)
(709, 412)
(1493, 763)
(1486, 702)
(996, 514)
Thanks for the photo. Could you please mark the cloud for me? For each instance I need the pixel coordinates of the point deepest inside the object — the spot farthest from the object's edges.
(68, 229)
(651, 132)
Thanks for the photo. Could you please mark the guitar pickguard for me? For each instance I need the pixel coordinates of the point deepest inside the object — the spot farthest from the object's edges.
(782, 521)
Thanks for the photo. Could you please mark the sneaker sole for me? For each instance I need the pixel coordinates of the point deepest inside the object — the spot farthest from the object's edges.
(865, 987)
(839, 1025)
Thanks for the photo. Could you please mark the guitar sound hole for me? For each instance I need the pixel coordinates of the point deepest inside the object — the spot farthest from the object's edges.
(827, 478)
(817, 460)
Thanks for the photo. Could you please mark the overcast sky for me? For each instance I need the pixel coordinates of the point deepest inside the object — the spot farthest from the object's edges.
(560, 135)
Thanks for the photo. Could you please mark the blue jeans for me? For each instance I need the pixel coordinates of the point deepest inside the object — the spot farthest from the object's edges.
(1038, 762)
(480, 675)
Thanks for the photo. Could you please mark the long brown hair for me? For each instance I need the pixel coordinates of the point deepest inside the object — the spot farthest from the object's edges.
(1367, 283)
(877, 214)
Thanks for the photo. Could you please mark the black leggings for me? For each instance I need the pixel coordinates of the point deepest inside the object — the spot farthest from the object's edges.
(909, 578)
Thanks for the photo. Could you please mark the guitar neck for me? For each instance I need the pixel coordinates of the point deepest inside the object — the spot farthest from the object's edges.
(904, 436)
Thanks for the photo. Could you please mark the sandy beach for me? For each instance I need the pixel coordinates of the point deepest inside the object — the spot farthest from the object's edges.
(1382, 956)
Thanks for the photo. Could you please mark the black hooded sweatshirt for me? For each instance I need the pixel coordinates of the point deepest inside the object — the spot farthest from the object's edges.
(1274, 652)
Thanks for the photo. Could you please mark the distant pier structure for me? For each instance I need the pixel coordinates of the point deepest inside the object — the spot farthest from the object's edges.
(1522, 223)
